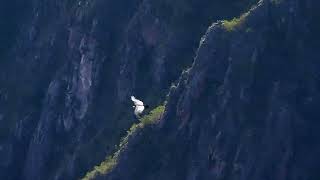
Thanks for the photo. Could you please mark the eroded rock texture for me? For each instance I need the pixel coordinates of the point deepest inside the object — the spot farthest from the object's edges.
(248, 107)
(68, 68)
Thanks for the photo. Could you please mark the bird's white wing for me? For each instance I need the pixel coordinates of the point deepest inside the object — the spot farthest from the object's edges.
(138, 110)
(136, 102)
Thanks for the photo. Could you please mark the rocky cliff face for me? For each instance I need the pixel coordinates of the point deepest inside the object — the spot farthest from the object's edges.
(247, 108)
(68, 68)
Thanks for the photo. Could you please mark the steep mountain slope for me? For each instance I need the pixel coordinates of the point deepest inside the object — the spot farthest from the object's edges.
(68, 68)
(248, 107)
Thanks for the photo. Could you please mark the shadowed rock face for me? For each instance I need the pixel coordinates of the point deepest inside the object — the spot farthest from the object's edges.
(68, 68)
(11, 15)
(248, 107)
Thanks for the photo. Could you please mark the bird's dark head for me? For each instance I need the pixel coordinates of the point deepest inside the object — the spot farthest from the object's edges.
(146, 106)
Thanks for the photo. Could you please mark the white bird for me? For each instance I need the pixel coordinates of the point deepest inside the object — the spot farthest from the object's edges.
(138, 106)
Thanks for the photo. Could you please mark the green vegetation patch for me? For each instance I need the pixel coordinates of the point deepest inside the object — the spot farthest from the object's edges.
(111, 161)
(233, 24)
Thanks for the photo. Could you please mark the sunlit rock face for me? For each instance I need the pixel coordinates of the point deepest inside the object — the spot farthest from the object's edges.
(67, 69)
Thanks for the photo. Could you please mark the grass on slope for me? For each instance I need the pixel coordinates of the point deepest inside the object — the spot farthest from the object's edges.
(234, 23)
(111, 161)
